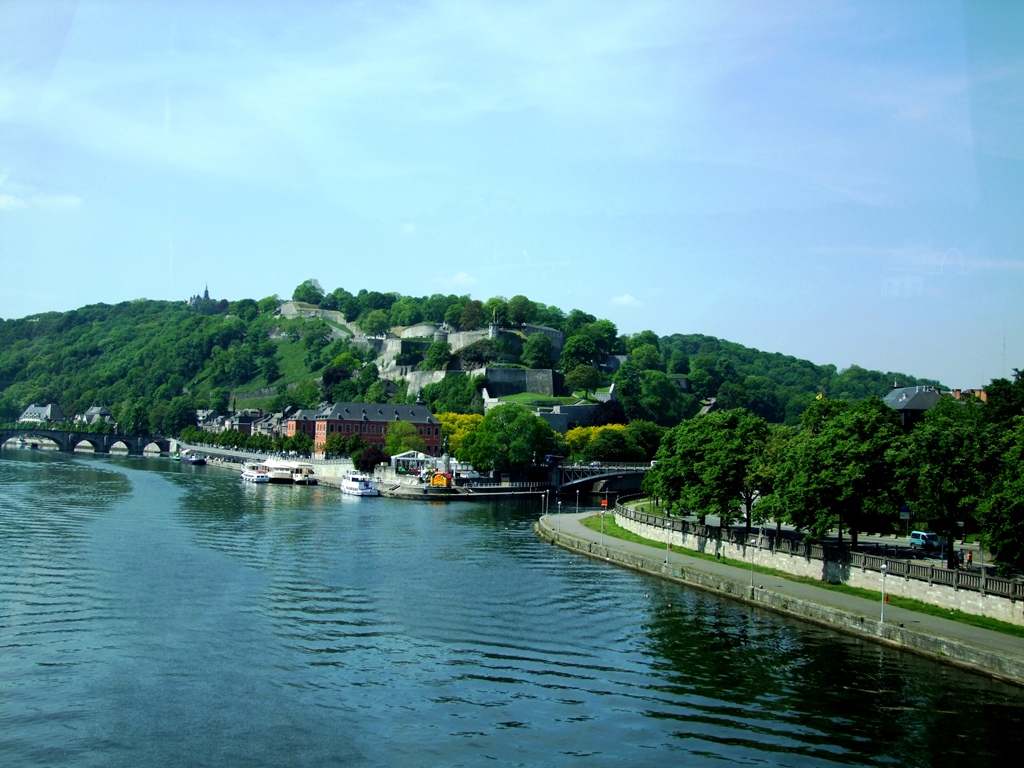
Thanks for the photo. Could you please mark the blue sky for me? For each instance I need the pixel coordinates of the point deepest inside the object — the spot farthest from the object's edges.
(837, 181)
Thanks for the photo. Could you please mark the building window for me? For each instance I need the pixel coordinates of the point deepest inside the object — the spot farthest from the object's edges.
(348, 427)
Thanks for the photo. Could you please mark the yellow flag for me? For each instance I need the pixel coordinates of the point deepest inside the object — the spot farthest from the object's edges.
(820, 396)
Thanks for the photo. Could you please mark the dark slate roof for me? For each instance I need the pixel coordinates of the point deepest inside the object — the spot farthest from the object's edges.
(304, 414)
(919, 398)
(51, 412)
(377, 412)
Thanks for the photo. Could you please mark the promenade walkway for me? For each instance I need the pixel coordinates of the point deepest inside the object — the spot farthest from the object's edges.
(994, 653)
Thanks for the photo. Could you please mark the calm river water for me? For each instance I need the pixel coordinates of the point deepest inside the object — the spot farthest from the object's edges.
(157, 615)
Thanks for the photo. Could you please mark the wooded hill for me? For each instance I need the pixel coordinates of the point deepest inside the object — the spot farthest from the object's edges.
(152, 362)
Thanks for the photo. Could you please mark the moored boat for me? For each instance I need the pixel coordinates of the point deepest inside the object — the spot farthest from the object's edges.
(193, 458)
(280, 470)
(255, 472)
(303, 474)
(359, 485)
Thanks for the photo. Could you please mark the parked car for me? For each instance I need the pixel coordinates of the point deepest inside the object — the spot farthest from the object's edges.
(595, 464)
(926, 541)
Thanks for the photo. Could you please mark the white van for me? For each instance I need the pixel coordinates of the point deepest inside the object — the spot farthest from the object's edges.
(926, 541)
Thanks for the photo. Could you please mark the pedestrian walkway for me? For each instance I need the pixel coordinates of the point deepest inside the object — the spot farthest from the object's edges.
(995, 653)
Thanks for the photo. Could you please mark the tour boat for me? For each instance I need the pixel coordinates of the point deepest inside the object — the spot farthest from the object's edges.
(255, 472)
(359, 485)
(280, 470)
(286, 471)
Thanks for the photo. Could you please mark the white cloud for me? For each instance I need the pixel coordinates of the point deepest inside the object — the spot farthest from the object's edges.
(17, 197)
(626, 300)
(459, 278)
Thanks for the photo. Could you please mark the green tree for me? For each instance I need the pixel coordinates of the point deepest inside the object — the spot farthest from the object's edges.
(575, 321)
(945, 467)
(1004, 400)
(302, 443)
(218, 401)
(375, 323)
(477, 354)
(308, 291)
(401, 437)
(1001, 511)
(509, 437)
(838, 470)
(496, 310)
(376, 393)
(613, 445)
(538, 351)
(307, 394)
(520, 310)
(455, 394)
(439, 354)
(640, 339)
(578, 350)
(708, 465)
(585, 377)
(180, 413)
(473, 316)
(605, 336)
(647, 357)
(647, 436)
(271, 370)
(662, 401)
(453, 315)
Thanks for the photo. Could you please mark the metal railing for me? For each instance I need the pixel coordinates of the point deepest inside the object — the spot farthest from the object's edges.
(976, 580)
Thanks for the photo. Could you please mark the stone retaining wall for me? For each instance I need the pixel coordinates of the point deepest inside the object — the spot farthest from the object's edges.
(946, 650)
(977, 603)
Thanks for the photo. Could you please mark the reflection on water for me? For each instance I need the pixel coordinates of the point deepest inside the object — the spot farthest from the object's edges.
(159, 614)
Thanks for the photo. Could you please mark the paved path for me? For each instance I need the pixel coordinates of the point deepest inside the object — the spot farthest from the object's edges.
(933, 625)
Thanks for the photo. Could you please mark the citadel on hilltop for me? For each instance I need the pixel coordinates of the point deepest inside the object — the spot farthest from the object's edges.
(204, 305)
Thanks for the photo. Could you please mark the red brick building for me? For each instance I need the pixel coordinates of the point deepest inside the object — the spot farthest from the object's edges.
(370, 421)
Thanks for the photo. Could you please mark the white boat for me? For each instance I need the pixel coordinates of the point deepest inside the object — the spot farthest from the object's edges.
(191, 457)
(280, 470)
(286, 471)
(359, 485)
(303, 474)
(255, 472)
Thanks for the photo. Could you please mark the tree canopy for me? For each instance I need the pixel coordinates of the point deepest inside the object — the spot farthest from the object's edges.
(509, 437)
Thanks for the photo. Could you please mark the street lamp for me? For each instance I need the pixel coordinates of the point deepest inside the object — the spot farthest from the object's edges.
(577, 501)
(559, 518)
(752, 542)
(885, 569)
(668, 537)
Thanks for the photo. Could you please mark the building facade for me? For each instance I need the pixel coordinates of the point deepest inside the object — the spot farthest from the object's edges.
(370, 421)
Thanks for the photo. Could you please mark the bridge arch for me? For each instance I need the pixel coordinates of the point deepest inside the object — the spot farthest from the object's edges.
(76, 440)
(36, 434)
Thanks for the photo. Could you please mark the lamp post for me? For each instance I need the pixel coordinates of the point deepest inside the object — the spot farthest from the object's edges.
(577, 501)
(751, 543)
(668, 537)
(885, 569)
(559, 518)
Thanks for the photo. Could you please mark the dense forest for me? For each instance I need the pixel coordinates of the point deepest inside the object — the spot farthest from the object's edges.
(154, 362)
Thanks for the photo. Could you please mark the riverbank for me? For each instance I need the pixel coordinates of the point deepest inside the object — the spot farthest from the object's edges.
(980, 650)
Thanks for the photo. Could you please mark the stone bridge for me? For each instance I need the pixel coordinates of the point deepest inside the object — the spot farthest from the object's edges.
(67, 441)
(614, 477)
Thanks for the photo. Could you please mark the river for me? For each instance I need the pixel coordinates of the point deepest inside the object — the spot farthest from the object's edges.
(153, 614)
